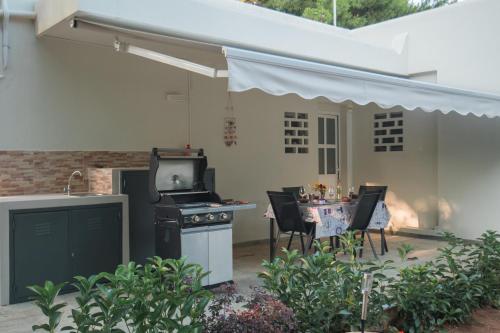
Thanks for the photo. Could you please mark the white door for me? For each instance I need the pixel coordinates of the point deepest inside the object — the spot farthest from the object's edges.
(328, 149)
(195, 245)
(220, 249)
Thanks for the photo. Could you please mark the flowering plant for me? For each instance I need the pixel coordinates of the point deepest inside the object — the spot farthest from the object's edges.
(321, 188)
(318, 187)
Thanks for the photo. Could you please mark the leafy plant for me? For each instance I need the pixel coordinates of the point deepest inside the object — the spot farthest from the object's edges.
(325, 294)
(260, 313)
(163, 296)
(447, 290)
(44, 298)
(313, 293)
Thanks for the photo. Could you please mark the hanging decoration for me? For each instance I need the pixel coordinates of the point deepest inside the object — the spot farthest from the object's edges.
(230, 137)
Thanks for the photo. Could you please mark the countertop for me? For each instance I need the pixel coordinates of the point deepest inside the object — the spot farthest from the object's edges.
(54, 200)
(61, 197)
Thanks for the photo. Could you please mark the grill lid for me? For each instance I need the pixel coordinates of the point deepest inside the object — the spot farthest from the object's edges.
(176, 171)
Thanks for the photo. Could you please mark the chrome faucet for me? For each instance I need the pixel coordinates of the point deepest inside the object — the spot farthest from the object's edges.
(75, 173)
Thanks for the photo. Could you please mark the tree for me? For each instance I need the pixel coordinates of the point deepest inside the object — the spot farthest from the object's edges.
(350, 13)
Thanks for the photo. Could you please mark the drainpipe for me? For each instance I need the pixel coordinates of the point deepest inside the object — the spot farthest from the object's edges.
(5, 35)
(6, 15)
(19, 14)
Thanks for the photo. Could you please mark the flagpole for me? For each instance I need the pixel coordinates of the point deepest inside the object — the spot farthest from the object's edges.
(335, 12)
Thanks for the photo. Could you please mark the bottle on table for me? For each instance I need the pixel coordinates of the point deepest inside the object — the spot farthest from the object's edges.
(339, 190)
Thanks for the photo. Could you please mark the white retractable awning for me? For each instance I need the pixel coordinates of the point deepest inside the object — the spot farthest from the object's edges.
(314, 60)
(277, 75)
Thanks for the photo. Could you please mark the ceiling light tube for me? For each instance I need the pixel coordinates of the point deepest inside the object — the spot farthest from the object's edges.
(169, 60)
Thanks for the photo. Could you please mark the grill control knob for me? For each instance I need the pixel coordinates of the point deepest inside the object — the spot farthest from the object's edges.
(210, 217)
(195, 219)
(223, 216)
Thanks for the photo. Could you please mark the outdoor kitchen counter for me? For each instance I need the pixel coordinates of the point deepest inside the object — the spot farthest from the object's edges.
(11, 203)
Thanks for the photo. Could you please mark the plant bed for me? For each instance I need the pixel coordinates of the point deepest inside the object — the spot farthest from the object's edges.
(482, 321)
(325, 293)
(307, 294)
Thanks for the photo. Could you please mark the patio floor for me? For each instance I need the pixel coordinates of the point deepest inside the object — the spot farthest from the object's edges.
(19, 318)
(248, 258)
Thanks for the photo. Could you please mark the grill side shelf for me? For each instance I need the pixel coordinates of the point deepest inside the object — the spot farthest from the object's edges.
(223, 208)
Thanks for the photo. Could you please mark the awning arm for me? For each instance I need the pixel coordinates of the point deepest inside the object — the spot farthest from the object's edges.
(169, 60)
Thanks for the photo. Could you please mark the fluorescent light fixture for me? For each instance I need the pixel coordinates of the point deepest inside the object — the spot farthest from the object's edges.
(169, 60)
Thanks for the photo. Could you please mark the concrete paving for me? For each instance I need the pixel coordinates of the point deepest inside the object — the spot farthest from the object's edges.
(19, 318)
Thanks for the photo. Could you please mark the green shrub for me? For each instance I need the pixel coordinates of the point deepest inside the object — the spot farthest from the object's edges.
(324, 293)
(447, 290)
(163, 296)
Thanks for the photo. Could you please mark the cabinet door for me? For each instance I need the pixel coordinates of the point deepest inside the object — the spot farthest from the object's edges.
(95, 235)
(220, 254)
(194, 246)
(141, 215)
(39, 251)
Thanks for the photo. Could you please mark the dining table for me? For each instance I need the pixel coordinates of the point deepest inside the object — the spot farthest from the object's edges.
(332, 218)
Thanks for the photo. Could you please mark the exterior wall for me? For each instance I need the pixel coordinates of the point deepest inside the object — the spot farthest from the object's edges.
(469, 174)
(80, 98)
(459, 42)
(58, 95)
(39, 172)
(258, 162)
(64, 96)
(411, 174)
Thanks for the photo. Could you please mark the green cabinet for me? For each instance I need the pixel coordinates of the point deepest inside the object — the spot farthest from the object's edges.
(58, 243)
(95, 240)
(40, 244)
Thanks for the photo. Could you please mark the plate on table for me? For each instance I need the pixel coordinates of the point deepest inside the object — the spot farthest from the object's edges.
(320, 202)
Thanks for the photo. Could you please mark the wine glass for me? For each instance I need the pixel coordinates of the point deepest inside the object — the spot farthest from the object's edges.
(351, 191)
(331, 191)
(302, 192)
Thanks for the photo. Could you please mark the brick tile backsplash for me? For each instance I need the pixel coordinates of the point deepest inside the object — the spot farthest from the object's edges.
(37, 172)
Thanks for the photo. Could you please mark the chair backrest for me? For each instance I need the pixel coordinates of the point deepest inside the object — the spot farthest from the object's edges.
(364, 211)
(293, 189)
(382, 190)
(286, 211)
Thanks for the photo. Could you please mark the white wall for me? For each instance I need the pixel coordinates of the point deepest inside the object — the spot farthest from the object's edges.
(461, 43)
(469, 174)
(411, 175)
(62, 95)
(58, 95)
(258, 162)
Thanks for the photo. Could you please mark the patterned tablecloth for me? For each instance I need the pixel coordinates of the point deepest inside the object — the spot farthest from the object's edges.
(333, 219)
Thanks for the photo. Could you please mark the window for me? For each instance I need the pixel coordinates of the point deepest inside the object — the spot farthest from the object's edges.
(388, 132)
(328, 137)
(296, 133)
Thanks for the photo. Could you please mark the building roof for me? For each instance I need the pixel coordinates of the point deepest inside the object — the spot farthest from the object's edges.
(226, 23)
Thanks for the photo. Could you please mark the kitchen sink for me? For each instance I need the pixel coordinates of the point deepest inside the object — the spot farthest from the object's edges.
(85, 194)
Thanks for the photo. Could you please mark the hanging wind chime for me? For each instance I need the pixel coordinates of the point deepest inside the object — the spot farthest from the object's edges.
(230, 137)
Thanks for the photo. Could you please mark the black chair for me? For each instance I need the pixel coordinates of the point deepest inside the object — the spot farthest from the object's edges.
(382, 190)
(371, 189)
(362, 217)
(294, 189)
(289, 219)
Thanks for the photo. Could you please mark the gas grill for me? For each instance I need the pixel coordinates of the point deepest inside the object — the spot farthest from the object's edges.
(190, 220)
